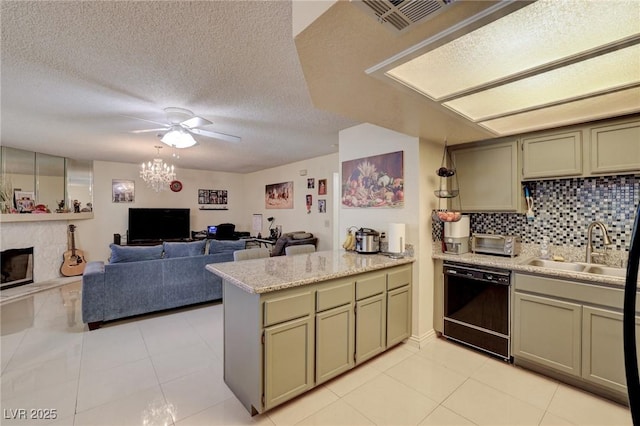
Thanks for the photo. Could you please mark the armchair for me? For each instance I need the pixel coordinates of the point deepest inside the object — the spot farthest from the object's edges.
(293, 239)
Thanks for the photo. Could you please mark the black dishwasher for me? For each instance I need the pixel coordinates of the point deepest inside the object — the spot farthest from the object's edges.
(477, 307)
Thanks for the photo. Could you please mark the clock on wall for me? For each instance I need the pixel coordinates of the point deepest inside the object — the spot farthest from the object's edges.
(176, 186)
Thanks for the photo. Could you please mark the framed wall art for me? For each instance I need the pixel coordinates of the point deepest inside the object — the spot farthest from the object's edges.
(322, 206)
(123, 191)
(24, 201)
(322, 187)
(374, 182)
(213, 196)
(278, 196)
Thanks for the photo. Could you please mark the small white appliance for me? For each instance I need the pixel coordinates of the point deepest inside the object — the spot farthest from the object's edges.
(456, 236)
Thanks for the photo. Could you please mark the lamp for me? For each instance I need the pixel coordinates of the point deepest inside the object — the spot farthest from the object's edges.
(157, 174)
(273, 233)
(178, 137)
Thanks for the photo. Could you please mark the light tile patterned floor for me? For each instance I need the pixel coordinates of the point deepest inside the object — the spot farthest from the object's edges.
(166, 369)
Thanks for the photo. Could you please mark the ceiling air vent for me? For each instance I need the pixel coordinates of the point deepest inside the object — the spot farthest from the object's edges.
(400, 15)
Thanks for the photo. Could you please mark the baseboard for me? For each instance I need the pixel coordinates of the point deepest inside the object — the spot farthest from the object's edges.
(421, 341)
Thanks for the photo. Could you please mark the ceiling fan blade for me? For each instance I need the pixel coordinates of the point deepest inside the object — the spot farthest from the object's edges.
(216, 135)
(144, 119)
(150, 130)
(195, 122)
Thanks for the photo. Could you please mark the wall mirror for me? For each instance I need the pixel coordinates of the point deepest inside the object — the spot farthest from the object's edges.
(49, 178)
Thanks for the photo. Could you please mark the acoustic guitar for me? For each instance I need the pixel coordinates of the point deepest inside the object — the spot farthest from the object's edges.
(73, 262)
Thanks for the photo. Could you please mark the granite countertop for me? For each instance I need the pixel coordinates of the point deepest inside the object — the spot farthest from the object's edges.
(281, 272)
(518, 264)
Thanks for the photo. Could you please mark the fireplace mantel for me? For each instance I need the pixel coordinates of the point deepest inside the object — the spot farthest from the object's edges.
(43, 217)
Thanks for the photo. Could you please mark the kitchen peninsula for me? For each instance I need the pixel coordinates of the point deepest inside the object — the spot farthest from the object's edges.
(293, 322)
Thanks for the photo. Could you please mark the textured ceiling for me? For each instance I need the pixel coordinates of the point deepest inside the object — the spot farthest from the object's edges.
(73, 74)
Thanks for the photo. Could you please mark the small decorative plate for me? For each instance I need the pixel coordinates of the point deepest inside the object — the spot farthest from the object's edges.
(176, 186)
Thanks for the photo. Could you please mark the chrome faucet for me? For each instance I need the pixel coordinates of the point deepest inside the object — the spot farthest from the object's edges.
(605, 239)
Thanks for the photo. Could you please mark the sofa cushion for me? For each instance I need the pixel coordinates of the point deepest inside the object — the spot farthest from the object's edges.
(195, 248)
(301, 236)
(226, 246)
(121, 254)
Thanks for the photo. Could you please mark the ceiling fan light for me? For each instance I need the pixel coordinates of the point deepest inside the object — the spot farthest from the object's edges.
(178, 139)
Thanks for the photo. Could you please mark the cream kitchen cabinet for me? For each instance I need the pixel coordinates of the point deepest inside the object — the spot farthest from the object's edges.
(398, 306)
(288, 360)
(603, 349)
(281, 343)
(547, 331)
(335, 330)
(571, 328)
(593, 149)
(488, 177)
(552, 155)
(371, 313)
(288, 346)
(615, 147)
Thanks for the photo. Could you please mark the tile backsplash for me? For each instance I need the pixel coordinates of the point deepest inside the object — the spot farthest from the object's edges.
(563, 210)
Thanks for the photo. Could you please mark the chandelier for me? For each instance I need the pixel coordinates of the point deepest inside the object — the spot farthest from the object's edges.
(157, 174)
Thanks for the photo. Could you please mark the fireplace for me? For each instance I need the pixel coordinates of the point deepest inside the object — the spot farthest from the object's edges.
(16, 266)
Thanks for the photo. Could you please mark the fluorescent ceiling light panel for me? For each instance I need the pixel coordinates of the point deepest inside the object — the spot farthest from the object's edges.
(536, 35)
(595, 108)
(603, 73)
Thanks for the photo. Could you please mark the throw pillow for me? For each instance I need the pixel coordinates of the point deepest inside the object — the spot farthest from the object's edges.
(301, 236)
(121, 254)
(226, 246)
(195, 248)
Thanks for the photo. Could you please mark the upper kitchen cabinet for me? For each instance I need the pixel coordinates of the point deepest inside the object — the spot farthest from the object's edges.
(615, 147)
(488, 176)
(607, 147)
(552, 155)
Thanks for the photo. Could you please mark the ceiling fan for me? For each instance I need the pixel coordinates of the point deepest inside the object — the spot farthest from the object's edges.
(181, 125)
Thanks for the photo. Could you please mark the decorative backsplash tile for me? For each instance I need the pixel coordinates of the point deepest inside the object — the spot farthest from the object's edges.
(563, 210)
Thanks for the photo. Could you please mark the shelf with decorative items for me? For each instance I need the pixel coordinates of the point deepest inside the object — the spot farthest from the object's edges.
(44, 217)
(448, 191)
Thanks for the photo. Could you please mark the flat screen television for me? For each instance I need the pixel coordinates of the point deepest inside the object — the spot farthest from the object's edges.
(147, 224)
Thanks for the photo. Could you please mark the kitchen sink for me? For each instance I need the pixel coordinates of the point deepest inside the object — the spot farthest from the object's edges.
(565, 266)
(588, 268)
(606, 270)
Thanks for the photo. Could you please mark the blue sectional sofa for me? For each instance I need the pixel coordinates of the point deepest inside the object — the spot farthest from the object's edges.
(139, 280)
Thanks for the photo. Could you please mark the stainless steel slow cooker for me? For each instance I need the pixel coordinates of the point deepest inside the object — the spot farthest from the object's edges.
(367, 241)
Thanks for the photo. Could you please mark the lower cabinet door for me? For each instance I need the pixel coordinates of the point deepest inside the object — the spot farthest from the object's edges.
(288, 360)
(548, 332)
(603, 348)
(335, 331)
(371, 319)
(398, 315)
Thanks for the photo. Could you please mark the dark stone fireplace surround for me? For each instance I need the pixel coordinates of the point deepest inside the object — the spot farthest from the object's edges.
(16, 267)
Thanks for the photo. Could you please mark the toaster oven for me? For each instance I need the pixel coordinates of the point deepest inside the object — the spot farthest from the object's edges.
(502, 245)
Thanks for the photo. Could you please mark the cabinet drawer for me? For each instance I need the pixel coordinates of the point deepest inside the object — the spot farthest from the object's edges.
(399, 277)
(336, 295)
(370, 286)
(288, 307)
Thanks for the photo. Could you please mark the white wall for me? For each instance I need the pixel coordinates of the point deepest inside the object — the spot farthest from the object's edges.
(246, 196)
(366, 140)
(94, 236)
(421, 159)
(296, 219)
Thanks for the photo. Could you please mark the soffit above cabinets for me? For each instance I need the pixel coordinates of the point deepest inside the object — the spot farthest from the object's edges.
(550, 63)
